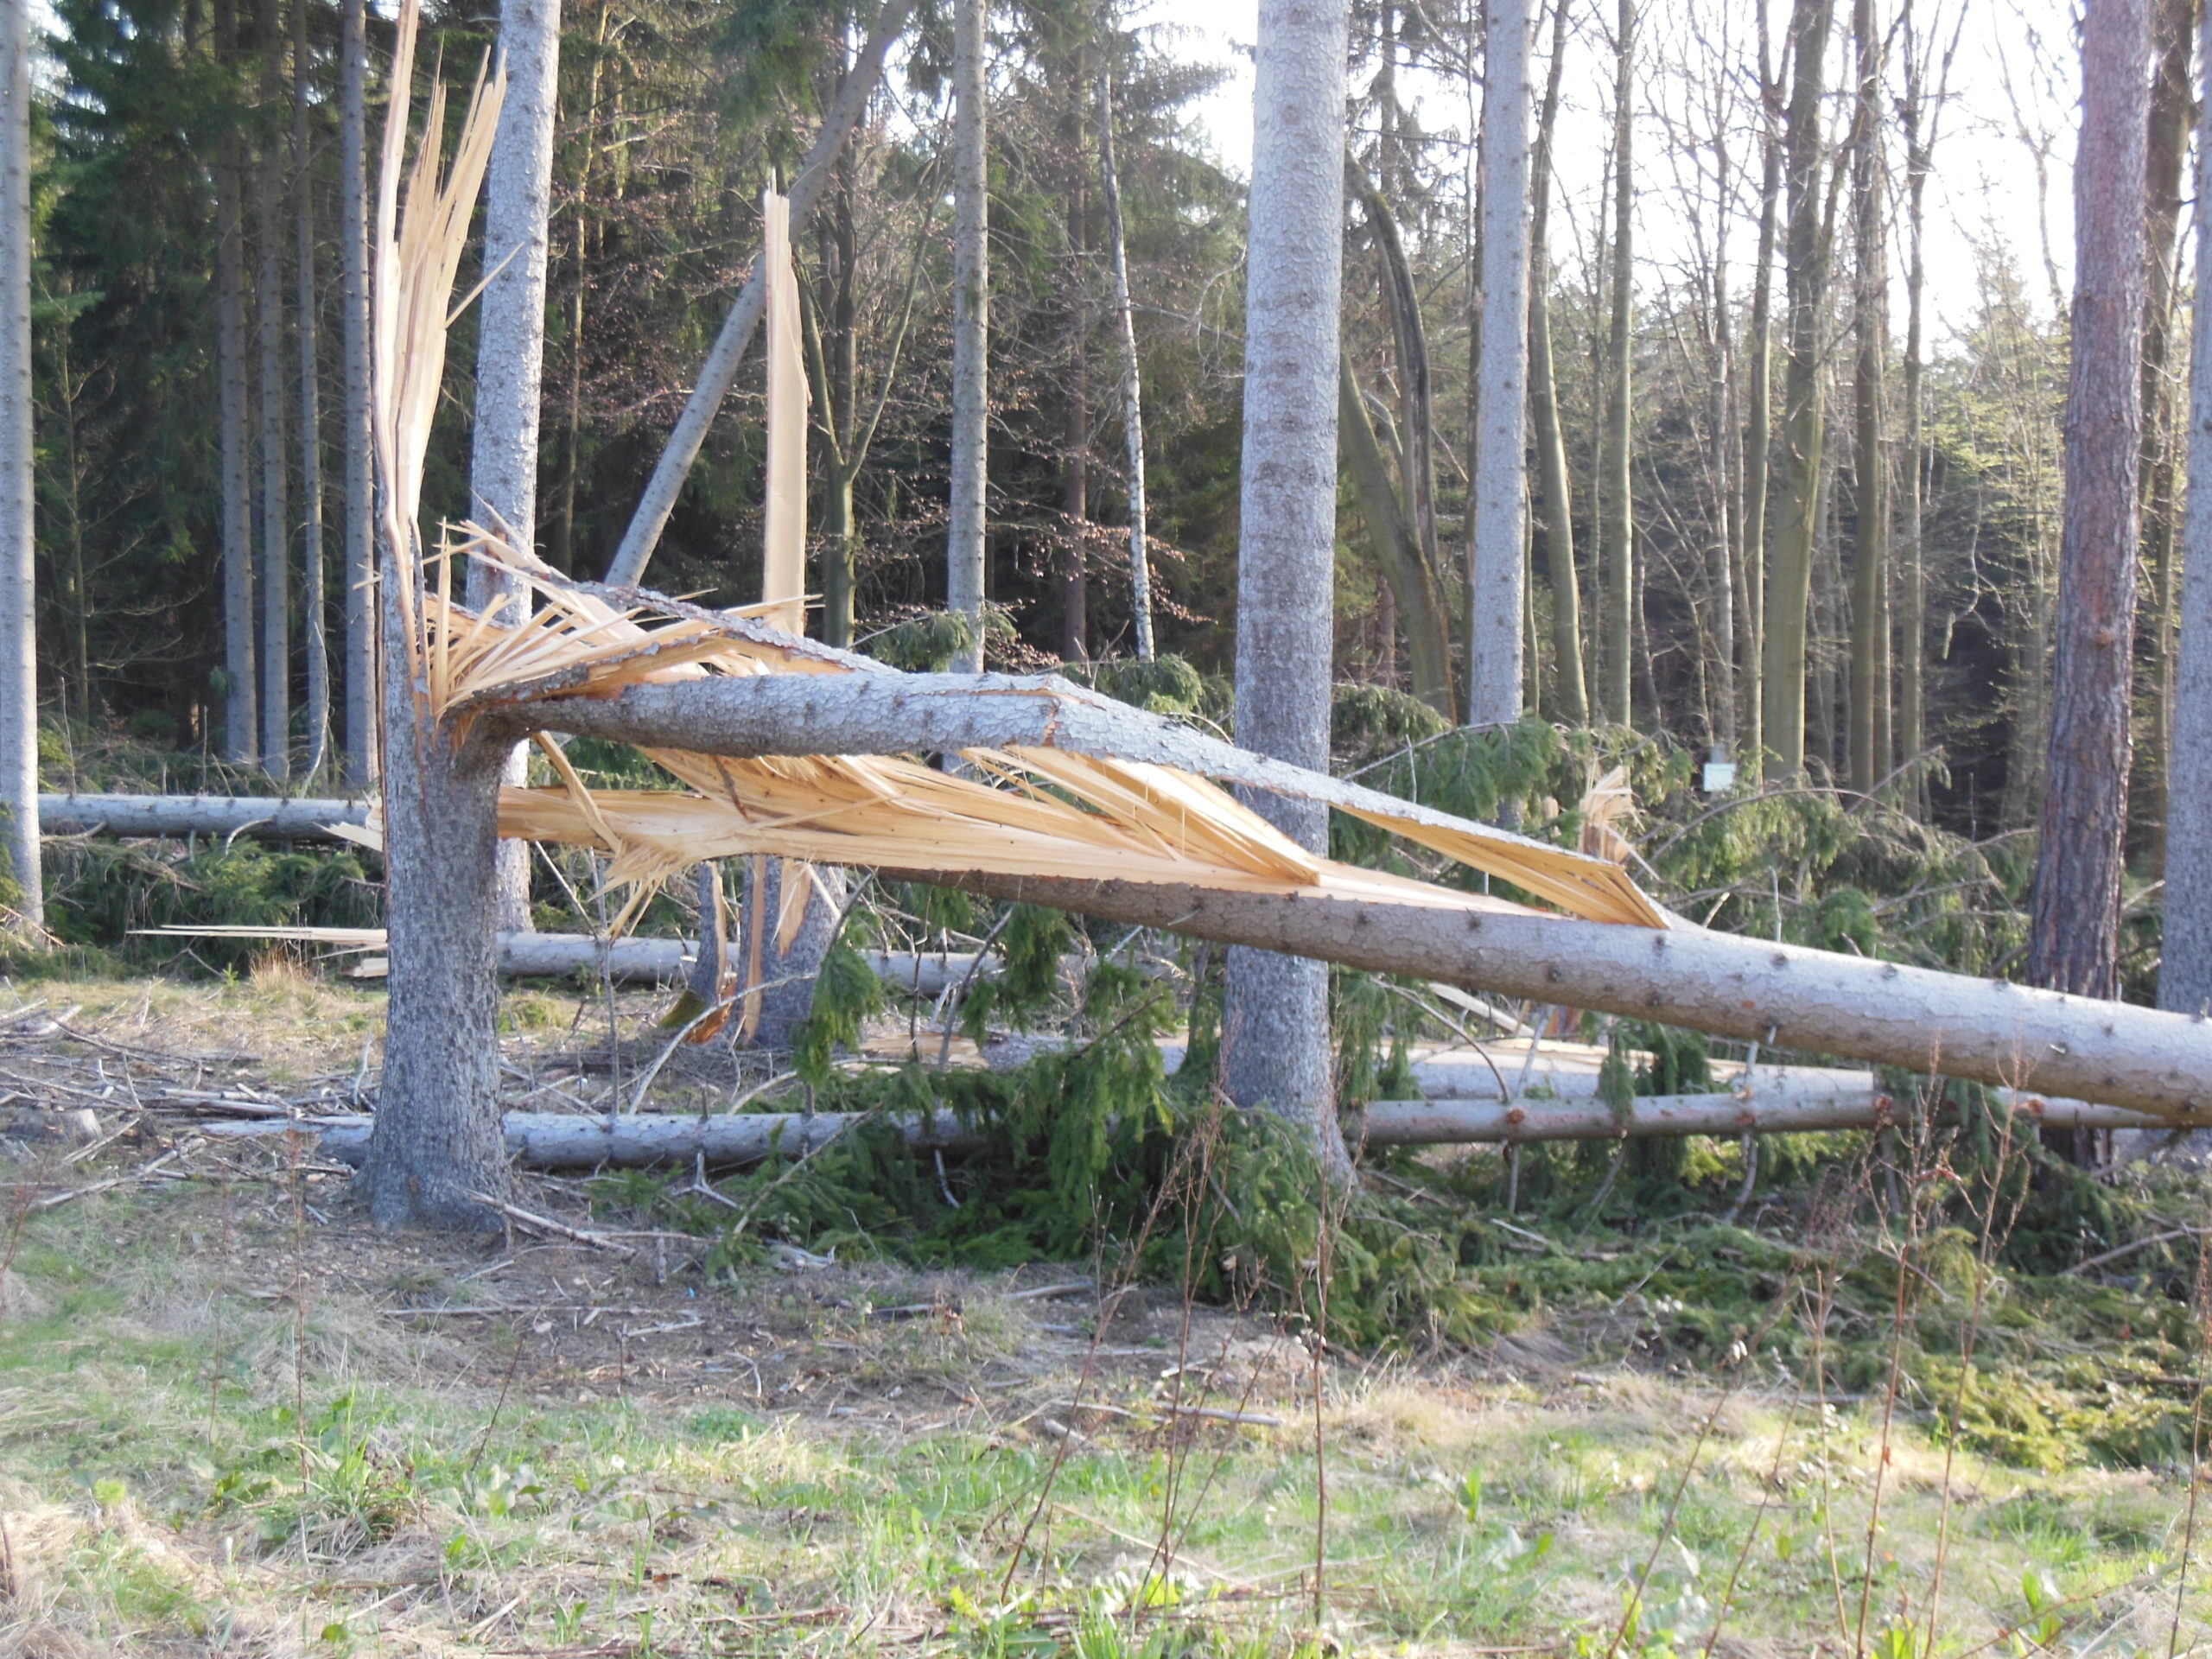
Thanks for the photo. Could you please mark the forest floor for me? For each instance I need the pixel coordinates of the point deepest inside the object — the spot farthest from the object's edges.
(235, 1418)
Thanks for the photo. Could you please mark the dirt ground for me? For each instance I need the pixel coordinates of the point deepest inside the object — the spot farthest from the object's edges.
(235, 1418)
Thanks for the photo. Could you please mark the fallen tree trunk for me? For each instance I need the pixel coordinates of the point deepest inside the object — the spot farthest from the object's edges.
(1780, 995)
(560, 1140)
(264, 816)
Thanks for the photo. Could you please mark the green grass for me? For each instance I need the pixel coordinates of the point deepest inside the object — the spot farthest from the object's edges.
(161, 1494)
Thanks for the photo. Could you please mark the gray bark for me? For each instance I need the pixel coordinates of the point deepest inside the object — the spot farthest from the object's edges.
(2185, 968)
(1132, 384)
(1782, 996)
(511, 341)
(1616, 515)
(275, 504)
(971, 328)
(644, 1139)
(313, 622)
(353, 301)
(19, 642)
(785, 976)
(300, 818)
(1275, 1049)
(241, 698)
(720, 370)
(1499, 565)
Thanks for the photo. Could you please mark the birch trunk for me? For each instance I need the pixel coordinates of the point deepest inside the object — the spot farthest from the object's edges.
(275, 505)
(1869, 756)
(1497, 569)
(511, 341)
(971, 328)
(18, 541)
(2075, 932)
(353, 301)
(1275, 1049)
(314, 621)
(1789, 585)
(2185, 966)
(1617, 511)
(1132, 384)
(241, 698)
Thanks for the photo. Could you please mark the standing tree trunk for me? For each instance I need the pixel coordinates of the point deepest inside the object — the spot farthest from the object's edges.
(1789, 584)
(1132, 384)
(1758, 396)
(2074, 936)
(2173, 22)
(353, 299)
(241, 698)
(1570, 693)
(276, 508)
(1409, 580)
(1870, 570)
(1497, 571)
(1275, 1048)
(1720, 573)
(2185, 966)
(511, 346)
(1075, 459)
(18, 542)
(313, 622)
(1617, 512)
(971, 330)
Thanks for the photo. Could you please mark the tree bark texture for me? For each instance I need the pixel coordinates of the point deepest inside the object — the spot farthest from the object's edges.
(1617, 511)
(1275, 1022)
(2185, 966)
(1498, 567)
(1075, 459)
(1758, 428)
(511, 338)
(776, 972)
(965, 536)
(1797, 514)
(2074, 929)
(241, 700)
(314, 621)
(1870, 759)
(353, 301)
(1570, 683)
(1132, 382)
(275, 504)
(720, 370)
(18, 542)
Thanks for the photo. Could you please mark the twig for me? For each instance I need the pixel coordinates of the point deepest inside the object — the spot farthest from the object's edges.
(546, 1224)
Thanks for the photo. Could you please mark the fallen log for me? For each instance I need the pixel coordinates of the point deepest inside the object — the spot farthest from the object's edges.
(1782, 996)
(266, 817)
(564, 1141)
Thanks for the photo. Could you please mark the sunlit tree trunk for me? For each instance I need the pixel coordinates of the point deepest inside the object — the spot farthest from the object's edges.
(1501, 491)
(2074, 936)
(1616, 511)
(353, 300)
(1869, 567)
(1132, 382)
(1569, 682)
(971, 328)
(2186, 963)
(1797, 513)
(1075, 459)
(2173, 25)
(18, 542)
(1275, 1048)
(1759, 415)
(313, 621)
(511, 343)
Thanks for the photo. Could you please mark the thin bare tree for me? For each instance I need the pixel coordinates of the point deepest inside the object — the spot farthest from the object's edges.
(971, 328)
(353, 313)
(313, 622)
(18, 541)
